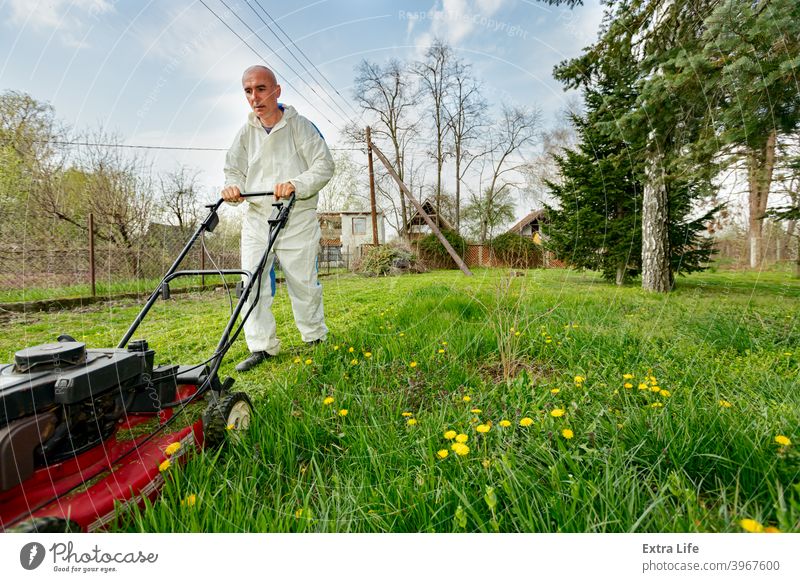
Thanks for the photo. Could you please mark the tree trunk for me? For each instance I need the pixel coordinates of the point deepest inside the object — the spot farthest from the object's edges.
(458, 190)
(655, 236)
(760, 164)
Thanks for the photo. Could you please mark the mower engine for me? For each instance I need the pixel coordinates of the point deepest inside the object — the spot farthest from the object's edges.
(60, 399)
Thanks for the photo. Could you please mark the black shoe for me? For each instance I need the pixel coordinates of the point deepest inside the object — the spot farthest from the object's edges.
(254, 360)
(315, 342)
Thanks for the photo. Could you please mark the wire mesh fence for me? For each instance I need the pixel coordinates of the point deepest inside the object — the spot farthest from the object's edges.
(31, 271)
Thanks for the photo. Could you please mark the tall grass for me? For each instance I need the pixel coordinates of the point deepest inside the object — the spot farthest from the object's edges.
(455, 353)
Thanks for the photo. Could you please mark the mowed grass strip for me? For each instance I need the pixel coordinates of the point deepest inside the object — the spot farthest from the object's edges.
(586, 408)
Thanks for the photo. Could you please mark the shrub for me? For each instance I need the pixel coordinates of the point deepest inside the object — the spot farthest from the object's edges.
(516, 251)
(433, 251)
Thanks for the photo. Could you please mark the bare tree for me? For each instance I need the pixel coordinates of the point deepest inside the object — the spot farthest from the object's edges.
(513, 133)
(465, 112)
(387, 96)
(179, 197)
(435, 73)
(343, 192)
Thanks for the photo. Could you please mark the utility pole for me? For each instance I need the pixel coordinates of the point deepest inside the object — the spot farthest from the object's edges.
(91, 254)
(372, 189)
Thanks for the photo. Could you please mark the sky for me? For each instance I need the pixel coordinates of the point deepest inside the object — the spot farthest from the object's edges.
(168, 73)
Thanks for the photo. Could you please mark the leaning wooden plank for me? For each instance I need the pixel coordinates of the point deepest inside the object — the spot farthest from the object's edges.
(448, 247)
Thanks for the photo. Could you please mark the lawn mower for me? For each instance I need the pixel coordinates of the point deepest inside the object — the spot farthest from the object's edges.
(86, 432)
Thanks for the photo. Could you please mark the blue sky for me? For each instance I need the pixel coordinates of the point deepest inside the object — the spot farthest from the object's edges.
(168, 72)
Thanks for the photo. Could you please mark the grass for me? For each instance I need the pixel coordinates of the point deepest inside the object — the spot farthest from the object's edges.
(639, 460)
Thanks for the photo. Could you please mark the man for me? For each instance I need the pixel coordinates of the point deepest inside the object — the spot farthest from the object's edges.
(282, 151)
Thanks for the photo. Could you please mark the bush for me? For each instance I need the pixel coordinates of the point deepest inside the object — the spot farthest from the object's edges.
(517, 251)
(389, 259)
(433, 251)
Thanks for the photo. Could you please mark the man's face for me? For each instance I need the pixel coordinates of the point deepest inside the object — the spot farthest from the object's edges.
(262, 93)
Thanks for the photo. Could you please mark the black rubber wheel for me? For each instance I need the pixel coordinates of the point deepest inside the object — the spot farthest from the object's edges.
(46, 525)
(232, 413)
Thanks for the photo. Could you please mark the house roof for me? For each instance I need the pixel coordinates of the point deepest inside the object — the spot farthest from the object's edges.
(430, 210)
(535, 215)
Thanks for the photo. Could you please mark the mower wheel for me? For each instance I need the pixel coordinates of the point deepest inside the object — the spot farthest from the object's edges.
(232, 413)
(46, 525)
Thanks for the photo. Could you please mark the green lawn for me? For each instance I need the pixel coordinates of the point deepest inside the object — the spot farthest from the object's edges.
(697, 453)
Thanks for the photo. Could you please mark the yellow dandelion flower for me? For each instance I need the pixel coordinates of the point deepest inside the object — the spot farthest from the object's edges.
(461, 438)
(655, 388)
(190, 501)
(782, 440)
(411, 421)
(516, 333)
(527, 421)
(297, 360)
(343, 412)
(476, 411)
(367, 354)
(665, 393)
(725, 404)
(308, 361)
(556, 412)
(442, 454)
(460, 449)
(353, 362)
(441, 351)
(751, 525)
(402, 334)
(505, 423)
(450, 435)
(230, 427)
(657, 405)
(335, 348)
(328, 400)
(652, 379)
(642, 386)
(771, 529)
(407, 414)
(548, 341)
(413, 364)
(567, 433)
(627, 385)
(579, 379)
(627, 376)
(164, 466)
(466, 399)
(555, 391)
(172, 449)
(483, 428)
(351, 349)
(444, 343)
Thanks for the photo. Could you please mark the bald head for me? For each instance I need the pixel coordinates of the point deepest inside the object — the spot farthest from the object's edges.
(262, 91)
(260, 70)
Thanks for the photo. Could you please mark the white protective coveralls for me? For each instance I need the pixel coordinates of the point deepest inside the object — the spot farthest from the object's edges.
(294, 151)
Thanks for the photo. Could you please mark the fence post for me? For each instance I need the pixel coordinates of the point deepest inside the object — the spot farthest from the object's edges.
(91, 254)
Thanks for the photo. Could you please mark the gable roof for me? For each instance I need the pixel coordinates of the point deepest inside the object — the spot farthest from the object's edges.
(430, 210)
(538, 215)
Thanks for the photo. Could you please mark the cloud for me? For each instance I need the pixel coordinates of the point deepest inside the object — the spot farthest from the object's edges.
(68, 18)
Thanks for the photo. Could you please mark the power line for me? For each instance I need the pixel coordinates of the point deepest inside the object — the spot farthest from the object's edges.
(218, 17)
(291, 40)
(153, 147)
